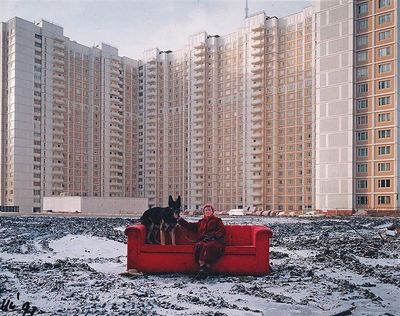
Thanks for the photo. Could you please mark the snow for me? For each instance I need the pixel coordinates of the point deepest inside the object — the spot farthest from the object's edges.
(71, 266)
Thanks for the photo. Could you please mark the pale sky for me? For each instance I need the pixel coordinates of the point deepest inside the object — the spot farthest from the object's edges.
(136, 25)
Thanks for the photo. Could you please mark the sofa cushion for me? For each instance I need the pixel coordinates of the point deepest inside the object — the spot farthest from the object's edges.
(229, 250)
(240, 250)
(167, 248)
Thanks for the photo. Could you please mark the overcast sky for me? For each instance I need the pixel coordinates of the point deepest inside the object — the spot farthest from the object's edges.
(135, 25)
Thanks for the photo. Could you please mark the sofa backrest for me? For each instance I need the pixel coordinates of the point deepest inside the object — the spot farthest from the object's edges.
(236, 235)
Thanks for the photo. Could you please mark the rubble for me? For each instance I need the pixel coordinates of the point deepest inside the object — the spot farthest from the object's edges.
(319, 266)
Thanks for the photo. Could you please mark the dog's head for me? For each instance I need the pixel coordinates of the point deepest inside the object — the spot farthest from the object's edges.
(175, 205)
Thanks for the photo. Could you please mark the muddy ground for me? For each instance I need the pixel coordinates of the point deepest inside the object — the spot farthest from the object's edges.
(71, 265)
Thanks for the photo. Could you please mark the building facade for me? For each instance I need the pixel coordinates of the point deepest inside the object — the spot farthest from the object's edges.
(69, 118)
(294, 113)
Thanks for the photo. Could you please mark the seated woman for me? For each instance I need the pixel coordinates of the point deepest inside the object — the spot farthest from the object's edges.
(210, 241)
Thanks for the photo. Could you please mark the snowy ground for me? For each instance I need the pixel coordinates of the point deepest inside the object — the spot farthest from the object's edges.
(71, 266)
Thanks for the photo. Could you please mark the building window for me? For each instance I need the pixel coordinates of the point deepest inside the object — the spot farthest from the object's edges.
(362, 56)
(384, 133)
(384, 84)
(362, 25)
(362, 136)
(362, 40)
(384, 100)
(383, 199)
(362, 167)
(385, 68)
(384, 183)
(362, 87)
(384, 117)
(383, 3)
(362, 8)
(384, 166)
(362, 199)
(384, 35)
(362, 184)
(362, 119)
(362, 72)
(362, 152)
(384, 51)
(384, 18)
(384, 150)
(362, 104)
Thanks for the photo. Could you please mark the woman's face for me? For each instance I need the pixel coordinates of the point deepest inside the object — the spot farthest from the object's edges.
(208, 211)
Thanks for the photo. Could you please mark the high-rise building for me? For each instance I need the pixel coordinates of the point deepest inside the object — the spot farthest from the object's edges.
(293, 113)
(68, 117)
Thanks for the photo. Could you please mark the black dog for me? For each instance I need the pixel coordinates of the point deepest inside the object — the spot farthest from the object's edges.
(162, 218)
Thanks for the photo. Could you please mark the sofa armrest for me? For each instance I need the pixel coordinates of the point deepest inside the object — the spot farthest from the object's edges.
(260, 234)
(136, 234)
(260, 239)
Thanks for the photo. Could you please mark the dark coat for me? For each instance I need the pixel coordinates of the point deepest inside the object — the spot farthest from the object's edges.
(210, 238)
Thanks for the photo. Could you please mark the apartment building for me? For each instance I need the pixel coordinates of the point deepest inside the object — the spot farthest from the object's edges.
(69, 117)
(293, 113)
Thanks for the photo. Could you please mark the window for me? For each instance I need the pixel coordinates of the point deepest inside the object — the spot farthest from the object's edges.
(362, 72)
(384, 183)
(362, 184)
(362, 25)
(385, 68)
(362, 40)
(384, 117)
(383, 84)
(362, 167)
(362, 199)
(362, 56)
(362, 119)
(384, 133)
(384, 51)
(384, 35)
(384, 150)
(362, 136)
(362, 87)
(362, 104)
(362, 152)
(384, 18)
(384, 100)
(383, 3)
(383, 199)
(362, 8)
(384, 166)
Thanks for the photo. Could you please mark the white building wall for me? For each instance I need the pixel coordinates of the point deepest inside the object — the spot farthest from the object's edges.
(334, 105)
(95, 206)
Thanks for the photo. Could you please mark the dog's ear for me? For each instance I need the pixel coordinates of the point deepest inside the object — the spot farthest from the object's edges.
(170, 200)
(178, 199)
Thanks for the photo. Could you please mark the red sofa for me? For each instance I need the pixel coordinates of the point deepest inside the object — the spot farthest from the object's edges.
(246, 252)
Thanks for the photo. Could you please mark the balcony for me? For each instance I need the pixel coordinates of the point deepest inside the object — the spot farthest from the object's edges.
(58, 61)
(256, 126)
(199, 61)
(59, 45)
(58, 93)
(255, 110)
(258, 35)
(58, 84)
(257, 61)
(256, 85)
(58, 52)
(257, 44)
(199, 68)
